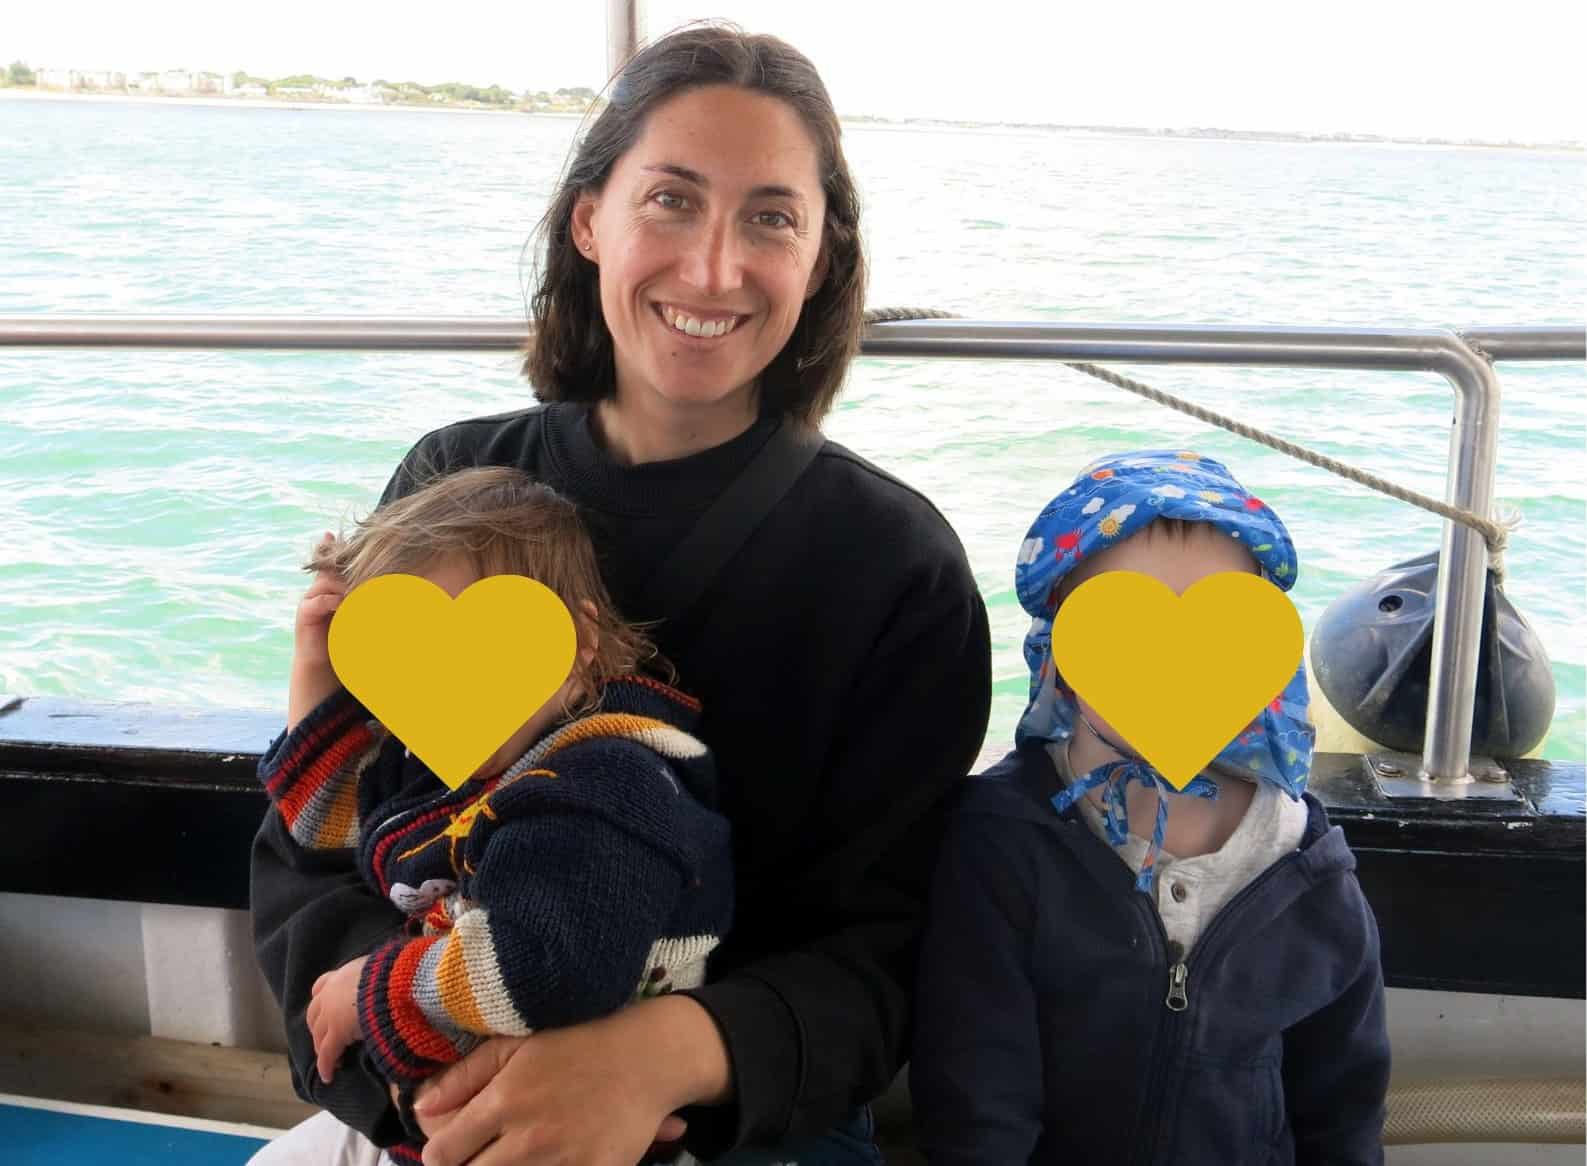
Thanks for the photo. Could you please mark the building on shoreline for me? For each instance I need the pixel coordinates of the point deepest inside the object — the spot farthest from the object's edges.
(186, 83)
(84, 79)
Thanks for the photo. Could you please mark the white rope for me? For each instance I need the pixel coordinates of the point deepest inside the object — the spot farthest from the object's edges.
(1496, 534)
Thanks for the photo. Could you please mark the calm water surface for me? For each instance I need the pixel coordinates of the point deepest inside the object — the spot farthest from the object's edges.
(153, 505)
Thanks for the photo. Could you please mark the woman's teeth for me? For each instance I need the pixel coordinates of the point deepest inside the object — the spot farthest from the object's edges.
(691, 326)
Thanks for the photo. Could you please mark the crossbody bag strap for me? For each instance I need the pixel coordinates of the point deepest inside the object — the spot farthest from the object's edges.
(729, 521)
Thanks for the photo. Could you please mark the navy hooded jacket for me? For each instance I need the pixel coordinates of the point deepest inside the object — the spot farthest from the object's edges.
(1056, 1023)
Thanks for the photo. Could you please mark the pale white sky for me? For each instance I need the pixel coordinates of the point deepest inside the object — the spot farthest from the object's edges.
(1452, 69)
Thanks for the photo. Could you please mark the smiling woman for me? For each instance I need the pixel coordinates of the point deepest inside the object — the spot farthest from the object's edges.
(714, 206)
(700, 300)
(704, 269)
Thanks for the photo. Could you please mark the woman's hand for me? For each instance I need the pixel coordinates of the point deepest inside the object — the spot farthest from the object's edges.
(429, 1126)
(596, 1094)
(333, 1015)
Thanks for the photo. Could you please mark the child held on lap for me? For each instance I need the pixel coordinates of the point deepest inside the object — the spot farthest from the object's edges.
(581, 866)
(1214, 997)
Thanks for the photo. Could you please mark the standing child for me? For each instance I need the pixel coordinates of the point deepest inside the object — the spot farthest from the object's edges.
(1116, 971)
(581, 866)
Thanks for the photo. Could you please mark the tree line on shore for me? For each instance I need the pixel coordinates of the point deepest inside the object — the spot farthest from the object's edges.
(392, 92)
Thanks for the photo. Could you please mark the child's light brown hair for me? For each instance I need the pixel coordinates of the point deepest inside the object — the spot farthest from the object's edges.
(1178, 530)
(504, 523)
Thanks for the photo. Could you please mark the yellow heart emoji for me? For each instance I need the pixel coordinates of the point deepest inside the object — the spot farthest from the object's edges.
(452, 679)
(1178, 677)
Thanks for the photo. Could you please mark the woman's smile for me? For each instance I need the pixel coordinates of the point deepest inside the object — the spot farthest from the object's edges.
(698, 324)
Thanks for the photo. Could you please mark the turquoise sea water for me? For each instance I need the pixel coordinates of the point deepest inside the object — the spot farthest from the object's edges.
(153, 506)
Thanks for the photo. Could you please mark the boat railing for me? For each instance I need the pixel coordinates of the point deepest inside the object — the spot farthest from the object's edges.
(1463, 357)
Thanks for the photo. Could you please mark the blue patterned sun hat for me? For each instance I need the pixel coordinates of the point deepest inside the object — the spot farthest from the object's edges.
(1112, 499)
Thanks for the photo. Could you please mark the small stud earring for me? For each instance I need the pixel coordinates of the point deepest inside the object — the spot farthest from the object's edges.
(586, 246)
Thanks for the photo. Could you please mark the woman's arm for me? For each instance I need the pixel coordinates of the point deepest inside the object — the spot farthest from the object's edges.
(975, 1078)
(312, 913)
(588, 1093)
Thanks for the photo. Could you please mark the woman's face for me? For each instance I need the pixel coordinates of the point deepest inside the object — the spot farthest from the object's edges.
(708, 240)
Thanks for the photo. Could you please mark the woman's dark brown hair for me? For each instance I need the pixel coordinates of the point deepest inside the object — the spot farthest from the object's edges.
(570, 356)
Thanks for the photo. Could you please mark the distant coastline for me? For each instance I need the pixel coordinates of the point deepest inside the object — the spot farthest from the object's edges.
(300, 90)
(1210, 133)
(859, 120)
(266, 103)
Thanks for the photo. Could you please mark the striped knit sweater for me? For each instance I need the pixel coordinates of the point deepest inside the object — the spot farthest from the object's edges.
(592, 872)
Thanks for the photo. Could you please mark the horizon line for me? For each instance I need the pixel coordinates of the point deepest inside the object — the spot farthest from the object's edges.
(1361, 137)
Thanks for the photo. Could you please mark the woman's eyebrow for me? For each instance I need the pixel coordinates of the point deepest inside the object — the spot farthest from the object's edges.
(700, 180)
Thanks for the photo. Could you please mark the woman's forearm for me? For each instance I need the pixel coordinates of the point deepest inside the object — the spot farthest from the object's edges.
(312, 914)
(686, 1043)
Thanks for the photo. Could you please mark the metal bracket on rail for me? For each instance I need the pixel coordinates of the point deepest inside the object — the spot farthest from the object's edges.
(1399, 776)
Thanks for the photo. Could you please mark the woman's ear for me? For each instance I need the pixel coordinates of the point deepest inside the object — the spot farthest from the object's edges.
(581, 225)
(818, 274)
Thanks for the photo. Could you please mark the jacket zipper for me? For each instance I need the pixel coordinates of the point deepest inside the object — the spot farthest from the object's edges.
(1178, 998)
(1177, 1001)
(1168, 1025)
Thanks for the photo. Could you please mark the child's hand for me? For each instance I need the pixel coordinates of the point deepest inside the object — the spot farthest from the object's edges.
(333, 1015)
(311, 632)
(313, 679)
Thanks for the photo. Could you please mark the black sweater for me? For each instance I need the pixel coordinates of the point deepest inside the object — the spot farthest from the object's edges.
(843, 661)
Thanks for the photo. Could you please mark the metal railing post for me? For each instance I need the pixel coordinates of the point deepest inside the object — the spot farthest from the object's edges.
(625, 24)
(1462, 569)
